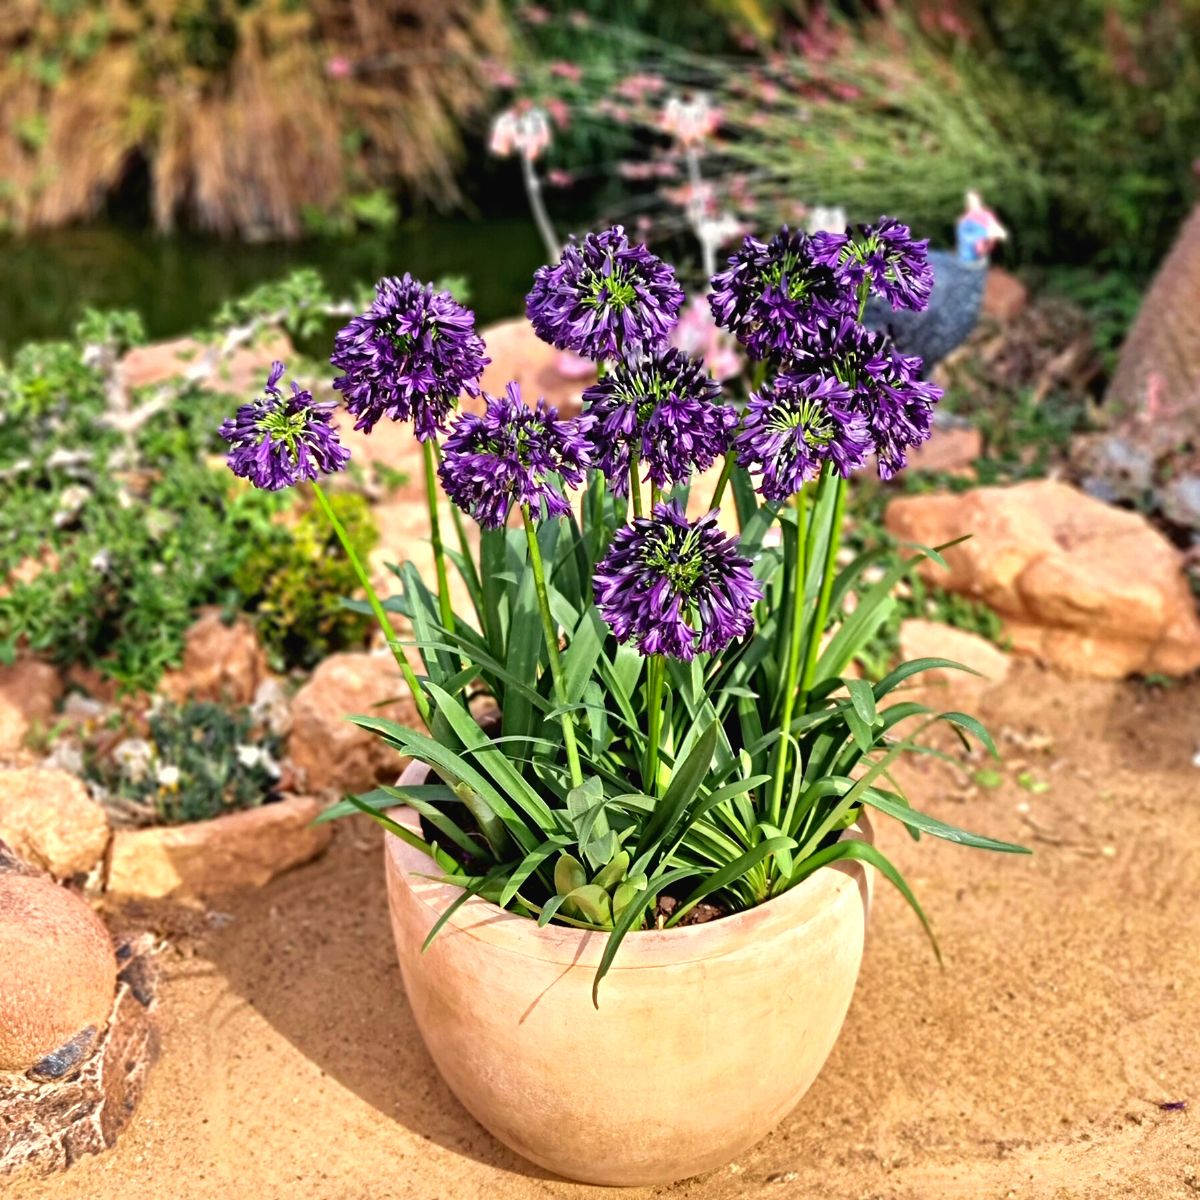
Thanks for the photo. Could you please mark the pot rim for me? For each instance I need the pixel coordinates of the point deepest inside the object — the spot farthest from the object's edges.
(826, 889)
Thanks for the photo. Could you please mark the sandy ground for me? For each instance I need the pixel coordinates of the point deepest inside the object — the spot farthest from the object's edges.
(1033, 1067)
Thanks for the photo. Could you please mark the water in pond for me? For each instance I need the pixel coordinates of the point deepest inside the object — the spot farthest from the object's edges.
(178, 283)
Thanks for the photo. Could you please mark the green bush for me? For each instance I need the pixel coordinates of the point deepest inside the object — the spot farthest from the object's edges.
(295, 585)
(135, 525)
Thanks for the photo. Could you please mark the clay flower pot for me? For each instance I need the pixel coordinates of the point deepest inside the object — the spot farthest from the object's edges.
(705, 1038)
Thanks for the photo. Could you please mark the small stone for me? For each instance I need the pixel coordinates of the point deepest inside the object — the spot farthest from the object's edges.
(29, 694)
(58, 970)
(208, 858)
(932, 639)
(330, 752)
(220, 662)
(49, 819)
(949, 451)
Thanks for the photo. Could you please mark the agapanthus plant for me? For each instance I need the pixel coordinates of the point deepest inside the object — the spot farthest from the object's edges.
(676, 716)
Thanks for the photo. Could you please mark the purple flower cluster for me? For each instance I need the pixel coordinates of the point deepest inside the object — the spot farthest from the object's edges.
(676, 587)
(279, 440)
(886, 387)
(511, 455)
(775, 294)
(664, 411)
(794, 424)
(605, 297)
(408, 357)
(886, 255)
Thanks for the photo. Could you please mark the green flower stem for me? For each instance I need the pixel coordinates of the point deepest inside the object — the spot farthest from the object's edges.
(419, 698)
(656, 670)
(551, 632)
(827, 577)
(655, 496)
(792, 673)
(635, 488)
(435, 537)
(723, 480)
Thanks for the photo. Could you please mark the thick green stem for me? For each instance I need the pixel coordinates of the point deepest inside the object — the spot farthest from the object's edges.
(635, 488)
(655, 675)
(822, 614)
(723, 480)
(435, 537)
(551, 632)
(419, 698)
(792, 670)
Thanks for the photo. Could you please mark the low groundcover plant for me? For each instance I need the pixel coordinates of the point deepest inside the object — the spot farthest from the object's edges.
(675, 715)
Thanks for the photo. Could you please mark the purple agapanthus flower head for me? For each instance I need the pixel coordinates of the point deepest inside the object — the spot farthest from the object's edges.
(663, 410)
(897, 404)
(774, 294)
(408, 357)
(894, 264)
(676, 587)
(513, 454)
(279, 440)
(886, 389)
(796, 423)
(605, 297)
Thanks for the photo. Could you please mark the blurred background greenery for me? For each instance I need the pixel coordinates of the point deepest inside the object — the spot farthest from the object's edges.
(168, 154)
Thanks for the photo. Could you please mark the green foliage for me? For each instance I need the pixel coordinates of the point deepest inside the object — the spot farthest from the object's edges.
(300, 303)
(700, 811)
(132, 528)
(131, 570)
(294, 585)
(196, 761)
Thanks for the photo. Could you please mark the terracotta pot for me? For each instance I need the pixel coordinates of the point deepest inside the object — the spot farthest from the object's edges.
(705, 1038)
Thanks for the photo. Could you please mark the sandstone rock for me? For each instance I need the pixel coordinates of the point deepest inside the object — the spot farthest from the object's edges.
(242, 374)
(29, 692)
(331, 753)
(541, 370)
(1089, 589)
(48, 1124)
(49, 820)
(220, 662)
(932, 639)
(404, 537)
(58, 970)
(1005, 297)
(238, 850)
(951, 450)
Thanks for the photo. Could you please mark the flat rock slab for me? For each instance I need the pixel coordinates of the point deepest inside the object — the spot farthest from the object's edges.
(1084, 587)
(48, 818)
(188, 863)
(47, 1126)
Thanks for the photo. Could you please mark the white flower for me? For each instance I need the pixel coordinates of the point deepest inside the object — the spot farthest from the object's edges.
(168, 776)
(133, 756)
(249, 756)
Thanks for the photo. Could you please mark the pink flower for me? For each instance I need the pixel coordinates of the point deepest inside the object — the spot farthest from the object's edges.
(524, 130)
(690, 121)
(339, 67)
(560, 112)
(566, 70)
(557, 177)
(533, 14)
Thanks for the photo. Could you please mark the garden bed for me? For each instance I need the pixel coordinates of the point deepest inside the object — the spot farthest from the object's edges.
(1048, 1086)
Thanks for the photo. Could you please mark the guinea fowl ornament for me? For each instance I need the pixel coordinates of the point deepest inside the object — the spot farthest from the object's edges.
(959, 278)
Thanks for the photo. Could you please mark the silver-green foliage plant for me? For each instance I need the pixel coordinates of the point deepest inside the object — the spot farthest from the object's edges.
(676, 714)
